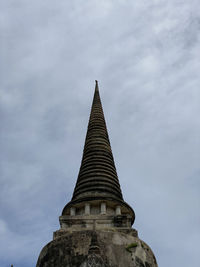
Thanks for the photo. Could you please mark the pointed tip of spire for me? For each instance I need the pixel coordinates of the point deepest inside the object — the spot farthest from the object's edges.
(96, 86)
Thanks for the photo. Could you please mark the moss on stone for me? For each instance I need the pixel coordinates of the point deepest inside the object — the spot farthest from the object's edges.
(132, 245)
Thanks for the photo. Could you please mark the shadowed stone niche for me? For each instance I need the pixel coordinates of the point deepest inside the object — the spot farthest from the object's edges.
(94, 258)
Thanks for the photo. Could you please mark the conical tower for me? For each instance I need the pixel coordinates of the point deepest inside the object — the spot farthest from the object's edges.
(97, 183)
(97, 176)
(96, 223)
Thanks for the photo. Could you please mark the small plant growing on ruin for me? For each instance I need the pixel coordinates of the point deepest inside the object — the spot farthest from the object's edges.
(132, 245)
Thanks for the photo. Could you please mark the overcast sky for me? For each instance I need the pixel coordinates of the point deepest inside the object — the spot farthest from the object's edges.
(146, 57)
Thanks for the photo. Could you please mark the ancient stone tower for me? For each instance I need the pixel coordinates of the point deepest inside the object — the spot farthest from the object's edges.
(95, 226)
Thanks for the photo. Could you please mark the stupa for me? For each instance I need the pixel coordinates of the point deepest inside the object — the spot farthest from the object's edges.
(96, 225)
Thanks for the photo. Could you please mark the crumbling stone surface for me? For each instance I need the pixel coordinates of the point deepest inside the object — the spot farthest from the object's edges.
(96, 249)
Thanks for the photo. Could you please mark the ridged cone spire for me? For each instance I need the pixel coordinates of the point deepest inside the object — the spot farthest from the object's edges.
(97, 176)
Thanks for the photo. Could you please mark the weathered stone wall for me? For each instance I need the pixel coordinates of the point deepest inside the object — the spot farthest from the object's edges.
(110, 249)
(89, 222)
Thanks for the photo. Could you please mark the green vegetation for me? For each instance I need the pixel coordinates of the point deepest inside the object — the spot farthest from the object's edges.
(132, 245)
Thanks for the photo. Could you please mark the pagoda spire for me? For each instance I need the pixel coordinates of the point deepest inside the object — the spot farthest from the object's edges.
(97, 176)
(97, 180)
(96, 225)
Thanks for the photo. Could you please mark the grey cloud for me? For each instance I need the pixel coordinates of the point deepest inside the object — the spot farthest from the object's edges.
(146, 58)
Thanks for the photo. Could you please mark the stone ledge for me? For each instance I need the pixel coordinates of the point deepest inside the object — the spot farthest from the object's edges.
(92, 222)
(62, 232)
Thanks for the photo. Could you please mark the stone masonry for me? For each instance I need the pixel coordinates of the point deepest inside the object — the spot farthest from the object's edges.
(96, 225)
